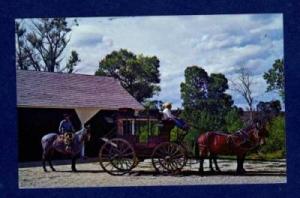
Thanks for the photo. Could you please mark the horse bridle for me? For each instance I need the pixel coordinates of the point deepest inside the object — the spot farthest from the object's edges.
(252, 144)
(86, 135)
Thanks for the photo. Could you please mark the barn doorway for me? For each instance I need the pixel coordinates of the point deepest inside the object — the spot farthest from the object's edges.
(33, 124)
(100, 127)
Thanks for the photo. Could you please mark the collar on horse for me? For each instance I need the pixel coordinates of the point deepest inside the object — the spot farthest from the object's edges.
(243, 133)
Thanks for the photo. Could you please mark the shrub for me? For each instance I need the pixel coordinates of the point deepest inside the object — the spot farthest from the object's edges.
(233, 120)
(276, 140)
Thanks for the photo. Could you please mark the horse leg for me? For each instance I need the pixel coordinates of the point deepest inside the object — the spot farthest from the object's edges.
(201, 165)
(74, 158)
(202, 154)
(240, 161)
(210, 163)
(50, 161)
(216, 163)
(242, 164)
(44, 161)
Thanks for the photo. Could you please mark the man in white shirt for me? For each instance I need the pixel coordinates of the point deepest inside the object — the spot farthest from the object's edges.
(167, 115)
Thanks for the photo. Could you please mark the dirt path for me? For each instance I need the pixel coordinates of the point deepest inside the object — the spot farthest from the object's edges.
(91, 175)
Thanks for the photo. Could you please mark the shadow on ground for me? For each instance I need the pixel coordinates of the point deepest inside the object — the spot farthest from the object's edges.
(187, 173)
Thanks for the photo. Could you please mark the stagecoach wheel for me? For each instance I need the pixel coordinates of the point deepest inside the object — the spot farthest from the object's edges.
(117, 157)
(168, 157)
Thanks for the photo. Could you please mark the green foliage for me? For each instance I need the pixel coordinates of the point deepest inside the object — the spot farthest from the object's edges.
(206, 110)
(41, 45)
(72, 62)
(153, 105)
(275, 77)
(190, 139)
(268, 110)
(276, 139)
(233, 120)
(138, 74)
(143, 134)
(144, 129)
(267, 156)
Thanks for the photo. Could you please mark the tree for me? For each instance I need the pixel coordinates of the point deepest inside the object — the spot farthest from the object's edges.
(275, 78)
(204, 99)
(268, 110)
(138, 74)
(22, 61)
(41, 43)
(275, 143)
(233, 120)
(153, 105)
(243, 86)
(72, 62)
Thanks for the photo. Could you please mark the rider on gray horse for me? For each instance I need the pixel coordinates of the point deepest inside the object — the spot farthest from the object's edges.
(66, 130)
(66, 125)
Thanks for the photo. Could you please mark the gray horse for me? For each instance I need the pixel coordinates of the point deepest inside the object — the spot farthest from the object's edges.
(53, 142)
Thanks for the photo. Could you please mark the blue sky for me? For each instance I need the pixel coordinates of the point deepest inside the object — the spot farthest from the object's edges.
(218, 43)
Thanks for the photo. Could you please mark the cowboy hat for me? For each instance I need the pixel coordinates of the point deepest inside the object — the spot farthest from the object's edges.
(167, 104)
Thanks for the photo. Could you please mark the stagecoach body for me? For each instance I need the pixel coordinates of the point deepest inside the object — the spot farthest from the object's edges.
(139, 137)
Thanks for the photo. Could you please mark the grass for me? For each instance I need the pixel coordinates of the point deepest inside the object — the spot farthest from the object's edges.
(267, 156)
(259, 156)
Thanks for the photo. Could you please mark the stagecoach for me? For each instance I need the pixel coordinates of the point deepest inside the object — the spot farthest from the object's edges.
(140, 137)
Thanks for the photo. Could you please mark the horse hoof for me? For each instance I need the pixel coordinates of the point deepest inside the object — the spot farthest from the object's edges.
(74, 169)
(241, 172)
(201, 172)
(45, 170)
(53, 169)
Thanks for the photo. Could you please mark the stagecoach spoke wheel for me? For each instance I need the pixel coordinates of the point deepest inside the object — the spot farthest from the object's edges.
(168, 157)
(117, 157)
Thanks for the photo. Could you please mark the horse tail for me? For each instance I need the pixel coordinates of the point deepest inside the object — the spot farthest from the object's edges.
(203, 144)
(198, 146)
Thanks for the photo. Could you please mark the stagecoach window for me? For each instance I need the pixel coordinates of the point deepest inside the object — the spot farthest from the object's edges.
(127, 127)
(142, 128)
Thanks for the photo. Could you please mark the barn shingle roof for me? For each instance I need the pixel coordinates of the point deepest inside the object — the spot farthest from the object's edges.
(57, 90)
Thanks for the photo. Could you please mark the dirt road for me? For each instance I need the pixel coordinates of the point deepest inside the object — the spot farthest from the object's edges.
(91, 175)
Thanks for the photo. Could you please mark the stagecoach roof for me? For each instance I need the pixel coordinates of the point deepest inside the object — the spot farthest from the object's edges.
(60, 90)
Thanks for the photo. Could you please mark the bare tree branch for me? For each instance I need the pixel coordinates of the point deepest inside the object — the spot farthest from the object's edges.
(243, 86)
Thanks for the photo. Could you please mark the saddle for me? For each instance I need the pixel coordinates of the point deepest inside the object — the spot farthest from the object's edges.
(66, 139)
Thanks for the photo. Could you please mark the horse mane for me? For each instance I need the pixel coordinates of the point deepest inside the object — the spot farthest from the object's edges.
(80, 131)
(246, 129)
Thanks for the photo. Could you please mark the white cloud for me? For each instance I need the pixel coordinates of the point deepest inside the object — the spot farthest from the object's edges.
(218, 43)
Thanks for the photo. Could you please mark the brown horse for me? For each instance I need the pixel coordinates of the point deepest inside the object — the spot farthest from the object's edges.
(211, 144)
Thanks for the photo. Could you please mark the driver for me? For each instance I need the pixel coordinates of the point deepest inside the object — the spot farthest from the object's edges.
(167, 115)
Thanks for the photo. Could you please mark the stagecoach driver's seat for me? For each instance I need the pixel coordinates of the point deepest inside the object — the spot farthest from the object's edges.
(168, 117)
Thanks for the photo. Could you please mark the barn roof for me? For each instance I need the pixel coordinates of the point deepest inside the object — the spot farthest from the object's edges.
(60, 90)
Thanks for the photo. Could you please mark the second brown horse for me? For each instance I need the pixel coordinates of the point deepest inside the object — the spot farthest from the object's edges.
(213, 143)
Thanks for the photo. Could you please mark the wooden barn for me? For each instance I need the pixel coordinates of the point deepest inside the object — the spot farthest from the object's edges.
(43, 98)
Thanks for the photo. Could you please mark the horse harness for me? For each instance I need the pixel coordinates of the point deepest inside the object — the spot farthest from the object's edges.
(245, 143)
